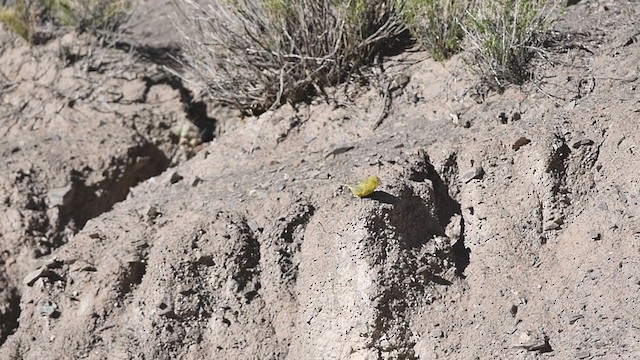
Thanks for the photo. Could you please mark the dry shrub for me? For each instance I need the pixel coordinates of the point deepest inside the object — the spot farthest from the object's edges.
(91, 15)
(436, 24)
(39, 20)
(502, 37)
(253, 54)
(21, 18)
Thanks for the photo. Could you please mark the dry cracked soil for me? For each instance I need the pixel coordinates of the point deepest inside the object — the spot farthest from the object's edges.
(506, 225)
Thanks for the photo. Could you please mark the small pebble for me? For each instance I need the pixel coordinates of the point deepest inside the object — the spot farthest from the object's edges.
(31, 277)
(153, 212)
(551, 225)
(513, 310)
(60, 196)
(175, 177)
(583, 354)
(165, 310)
(533, 342)
(575, 318)
(502, 118)
(455, 118)
(47, 308)
(476, 173)
(520, 143)
(582, 142)
(253, 225)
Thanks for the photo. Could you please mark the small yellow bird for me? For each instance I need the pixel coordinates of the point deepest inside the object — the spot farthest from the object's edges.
(365, 187)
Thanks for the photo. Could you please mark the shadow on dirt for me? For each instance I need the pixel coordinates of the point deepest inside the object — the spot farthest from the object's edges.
(449, 210)
(87, 202)
(11, 313)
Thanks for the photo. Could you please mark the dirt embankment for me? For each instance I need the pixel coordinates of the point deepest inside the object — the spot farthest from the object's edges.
(502, 229)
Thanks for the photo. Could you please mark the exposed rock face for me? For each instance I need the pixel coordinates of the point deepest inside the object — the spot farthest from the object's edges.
(72, 146)
(253, 248)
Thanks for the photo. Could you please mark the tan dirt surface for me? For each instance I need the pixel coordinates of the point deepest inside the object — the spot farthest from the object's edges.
(506, 225)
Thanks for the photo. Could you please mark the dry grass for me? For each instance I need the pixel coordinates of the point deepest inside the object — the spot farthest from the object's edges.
(38, 20)
(436, 24)
(502, 37)
(253, 54)
(91, 15)
(21, 18)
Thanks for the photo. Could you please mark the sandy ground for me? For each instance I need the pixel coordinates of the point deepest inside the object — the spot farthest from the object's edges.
(505, 226)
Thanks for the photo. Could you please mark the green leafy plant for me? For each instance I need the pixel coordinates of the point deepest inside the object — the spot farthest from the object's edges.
(436, 24)
(502, 37)
(252, 54)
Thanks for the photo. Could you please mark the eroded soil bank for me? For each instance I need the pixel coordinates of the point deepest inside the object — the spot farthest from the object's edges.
(503, 229)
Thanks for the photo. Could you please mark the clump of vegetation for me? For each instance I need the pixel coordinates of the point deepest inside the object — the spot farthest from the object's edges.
(502, 37)
(90, 15)
(30, 19)
(252, 54)
(437, 24)
(19, 18)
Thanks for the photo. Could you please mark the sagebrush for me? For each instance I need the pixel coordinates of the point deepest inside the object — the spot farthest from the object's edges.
(252, 54)
(20, 18)
(502, 37)
(34, 20)
(437, 24)
(91, 15)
